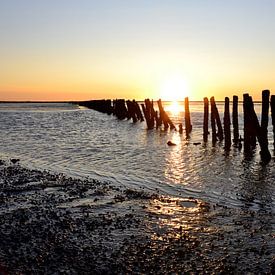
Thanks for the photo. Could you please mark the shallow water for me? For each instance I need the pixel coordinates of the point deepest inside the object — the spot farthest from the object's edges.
(79, 142)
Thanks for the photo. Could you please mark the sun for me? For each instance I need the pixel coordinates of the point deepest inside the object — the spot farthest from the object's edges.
(174, 88)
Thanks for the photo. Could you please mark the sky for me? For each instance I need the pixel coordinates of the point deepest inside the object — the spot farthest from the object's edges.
(86, 49)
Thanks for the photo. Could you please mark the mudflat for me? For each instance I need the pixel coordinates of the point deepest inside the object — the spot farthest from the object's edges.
(51, 223)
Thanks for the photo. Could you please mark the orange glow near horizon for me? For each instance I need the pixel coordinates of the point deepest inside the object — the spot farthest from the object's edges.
(85, 50)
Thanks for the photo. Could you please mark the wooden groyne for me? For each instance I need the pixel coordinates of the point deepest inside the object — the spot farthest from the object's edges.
(205, 119)
(253, 130)
(188, 125)
(236, 135)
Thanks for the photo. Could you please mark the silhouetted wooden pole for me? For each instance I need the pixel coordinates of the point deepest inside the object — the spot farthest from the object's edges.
(272, 103)
(164, 117)
(213, 120)
(255, 129)
(226, 122)
(138, 111)
(147, 111)
(188, 125)
(205, 119)
(249, 128)
(247, 146)
(216, 118)
(236, 137)
(219, 124)
(265, 113)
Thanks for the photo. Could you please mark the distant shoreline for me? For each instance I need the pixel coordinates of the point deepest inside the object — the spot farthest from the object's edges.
(76, 102)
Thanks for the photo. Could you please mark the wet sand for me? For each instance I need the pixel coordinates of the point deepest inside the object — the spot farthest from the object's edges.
(53, 224)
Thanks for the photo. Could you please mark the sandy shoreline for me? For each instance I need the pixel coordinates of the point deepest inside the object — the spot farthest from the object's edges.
(51, 223)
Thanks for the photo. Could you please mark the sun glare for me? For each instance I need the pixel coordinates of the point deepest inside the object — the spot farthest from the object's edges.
(174, 107)
(173, 88)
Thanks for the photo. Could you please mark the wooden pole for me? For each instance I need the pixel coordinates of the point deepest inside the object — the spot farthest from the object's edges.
(227, 123)
(219, 124)
(147, 111)
(246, 123)
(272, 103)
(249, 128)
(216, 119)
(254, 129)
(265, 113)
(138, 111)
(213, 121)
(164, 117)
(188, 125)
(205, 119)
(236, 137)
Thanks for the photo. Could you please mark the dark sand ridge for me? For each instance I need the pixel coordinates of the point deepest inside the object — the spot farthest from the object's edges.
(51, 223)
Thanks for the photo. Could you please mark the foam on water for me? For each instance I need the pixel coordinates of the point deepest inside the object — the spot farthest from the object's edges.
(84, 143)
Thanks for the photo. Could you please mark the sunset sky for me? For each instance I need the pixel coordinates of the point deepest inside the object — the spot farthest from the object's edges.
(86, 49)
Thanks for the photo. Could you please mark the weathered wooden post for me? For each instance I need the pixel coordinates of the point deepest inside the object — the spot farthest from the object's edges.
(249, 129)
(265, 113)
(219, 124)
(236, 137)
(226, 123)
(138, 111)
(246, 123)
(255, 129)
(205, 119)
(188, 125)
(164, 117)
(213, 121)
(147, 114)
(272, 103)
(216, 118)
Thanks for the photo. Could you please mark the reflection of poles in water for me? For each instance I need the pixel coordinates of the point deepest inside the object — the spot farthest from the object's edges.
(226, 123)
(188, 125)
(272, 103)
(205, 119)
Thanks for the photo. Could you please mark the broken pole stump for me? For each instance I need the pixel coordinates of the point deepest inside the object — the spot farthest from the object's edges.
(188, 125)
(227, 123)
(236, 137)
(205, 119)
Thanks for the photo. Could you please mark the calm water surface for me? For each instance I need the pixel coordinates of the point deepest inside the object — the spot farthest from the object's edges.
(80, 142)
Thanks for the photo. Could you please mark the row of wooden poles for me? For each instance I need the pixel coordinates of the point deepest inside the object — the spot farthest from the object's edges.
(130, 109)
(253, 130)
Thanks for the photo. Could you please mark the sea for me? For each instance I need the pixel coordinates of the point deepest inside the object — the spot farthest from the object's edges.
(80, 142)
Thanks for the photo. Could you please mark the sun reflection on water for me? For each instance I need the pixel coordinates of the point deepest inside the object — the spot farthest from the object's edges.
(174, 108)
(174, 159)
(179, 213)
